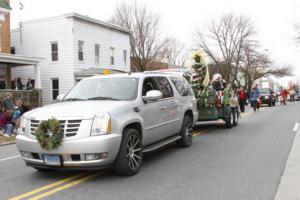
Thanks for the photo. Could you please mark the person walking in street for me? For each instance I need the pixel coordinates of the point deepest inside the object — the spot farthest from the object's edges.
(283, 95)
(242, 99)
(292, 95)
(254, 97)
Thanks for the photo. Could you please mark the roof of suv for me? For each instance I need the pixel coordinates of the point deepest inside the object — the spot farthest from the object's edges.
(136, 75)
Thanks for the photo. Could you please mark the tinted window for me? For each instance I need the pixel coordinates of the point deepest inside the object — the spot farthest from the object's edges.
(164, 86)
(182, 86)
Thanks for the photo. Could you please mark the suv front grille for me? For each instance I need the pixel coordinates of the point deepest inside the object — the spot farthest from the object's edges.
(69, 127)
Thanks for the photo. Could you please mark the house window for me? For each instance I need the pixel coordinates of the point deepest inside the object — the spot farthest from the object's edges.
(112, 55)
(55, 88)
(12, 50)
(80, 50)
(97, 53)
(54, 51)
(125, 57)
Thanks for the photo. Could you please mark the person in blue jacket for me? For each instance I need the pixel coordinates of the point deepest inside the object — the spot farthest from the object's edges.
(254, 97)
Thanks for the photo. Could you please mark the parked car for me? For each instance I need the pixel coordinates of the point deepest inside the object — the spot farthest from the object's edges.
(111, 120)
(297, 96)
(267, 96)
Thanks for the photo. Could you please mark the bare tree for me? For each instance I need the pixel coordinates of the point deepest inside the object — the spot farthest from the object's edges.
(145, 40)
(223, 41)
(256, 64)
(174, 52)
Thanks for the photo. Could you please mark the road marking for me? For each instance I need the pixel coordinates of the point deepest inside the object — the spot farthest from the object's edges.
(52, 185)
(12, 157)
(296, 127)
(195, 134)
(71, 184)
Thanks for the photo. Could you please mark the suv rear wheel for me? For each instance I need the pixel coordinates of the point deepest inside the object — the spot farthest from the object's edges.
(186, 132)
(130, 155)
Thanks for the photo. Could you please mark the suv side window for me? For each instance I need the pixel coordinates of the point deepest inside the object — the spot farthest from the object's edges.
(164, 86)
(149, 84)
(182, 86)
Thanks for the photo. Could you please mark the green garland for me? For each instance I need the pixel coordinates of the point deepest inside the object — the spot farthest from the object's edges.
(49, 134)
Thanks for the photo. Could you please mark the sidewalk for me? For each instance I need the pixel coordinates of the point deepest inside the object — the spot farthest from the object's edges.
(289, 187)
(6, 140)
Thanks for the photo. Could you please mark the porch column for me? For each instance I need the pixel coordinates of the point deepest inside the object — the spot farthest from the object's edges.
(37, 77)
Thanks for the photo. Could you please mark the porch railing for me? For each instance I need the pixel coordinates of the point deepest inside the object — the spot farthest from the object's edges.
(31, 98)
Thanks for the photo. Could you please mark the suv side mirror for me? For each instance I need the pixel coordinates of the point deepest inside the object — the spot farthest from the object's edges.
(60, 97)
(152, 95)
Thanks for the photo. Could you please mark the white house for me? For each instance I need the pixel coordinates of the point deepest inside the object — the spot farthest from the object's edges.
(69, 44)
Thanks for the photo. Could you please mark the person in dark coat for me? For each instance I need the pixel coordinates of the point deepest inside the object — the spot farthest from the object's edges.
(2, 83)
(29, 84)
(19, 84)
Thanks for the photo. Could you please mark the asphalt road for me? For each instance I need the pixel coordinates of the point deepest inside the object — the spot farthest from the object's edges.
(242, 163)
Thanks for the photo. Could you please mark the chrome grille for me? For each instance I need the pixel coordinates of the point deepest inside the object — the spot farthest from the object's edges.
(69, 127)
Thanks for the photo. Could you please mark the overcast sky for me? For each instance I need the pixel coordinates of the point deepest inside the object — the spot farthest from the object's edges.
(274, 19)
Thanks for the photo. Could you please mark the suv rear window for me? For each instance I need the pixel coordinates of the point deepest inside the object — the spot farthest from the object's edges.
(182, 86)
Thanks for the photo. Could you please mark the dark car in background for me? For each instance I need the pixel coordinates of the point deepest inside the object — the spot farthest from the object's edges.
(267, 96)
(297, 96)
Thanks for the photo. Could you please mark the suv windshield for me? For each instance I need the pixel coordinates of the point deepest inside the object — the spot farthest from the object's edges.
(115, 88)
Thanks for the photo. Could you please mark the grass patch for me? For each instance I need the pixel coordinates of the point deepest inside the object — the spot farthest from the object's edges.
(6, 139)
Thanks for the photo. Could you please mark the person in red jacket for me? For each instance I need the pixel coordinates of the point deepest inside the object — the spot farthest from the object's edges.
(283, 94)
(242, 99)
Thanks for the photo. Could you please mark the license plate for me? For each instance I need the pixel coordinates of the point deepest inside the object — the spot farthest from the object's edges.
(52, 160)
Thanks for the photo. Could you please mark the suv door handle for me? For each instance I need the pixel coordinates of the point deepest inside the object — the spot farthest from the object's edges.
(176, 105)
(162, 109)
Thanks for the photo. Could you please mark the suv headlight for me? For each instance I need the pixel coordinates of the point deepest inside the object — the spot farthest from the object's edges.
(22, 125)
(101, 124)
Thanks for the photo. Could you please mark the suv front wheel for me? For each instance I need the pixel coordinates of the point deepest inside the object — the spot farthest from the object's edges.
(130, 155)
(186, 132)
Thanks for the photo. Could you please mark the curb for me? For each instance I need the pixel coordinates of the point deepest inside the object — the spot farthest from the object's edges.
(7, 143)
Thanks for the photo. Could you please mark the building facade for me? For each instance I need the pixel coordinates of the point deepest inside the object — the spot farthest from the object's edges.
(68, 45)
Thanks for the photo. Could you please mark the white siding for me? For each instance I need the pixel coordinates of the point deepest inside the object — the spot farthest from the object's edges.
(37, 36)
(36, 41)
(93, 34)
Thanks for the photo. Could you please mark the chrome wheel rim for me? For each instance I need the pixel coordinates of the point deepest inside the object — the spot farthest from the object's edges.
(188, 130)
(133, 152)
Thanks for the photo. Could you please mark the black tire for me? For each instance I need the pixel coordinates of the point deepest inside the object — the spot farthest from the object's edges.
(235, 113)
(186, 132)
(229, 119)
(43, 169)
(130, 157)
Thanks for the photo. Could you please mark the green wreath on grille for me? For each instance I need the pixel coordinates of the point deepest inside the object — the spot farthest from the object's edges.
(49, 134)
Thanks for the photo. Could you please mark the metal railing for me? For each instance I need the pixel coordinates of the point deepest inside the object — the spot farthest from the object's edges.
(31, 98)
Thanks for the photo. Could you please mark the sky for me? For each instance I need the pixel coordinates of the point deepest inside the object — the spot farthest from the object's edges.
(274, 19)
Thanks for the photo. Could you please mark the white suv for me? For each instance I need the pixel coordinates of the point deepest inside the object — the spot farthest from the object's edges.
(111, 120)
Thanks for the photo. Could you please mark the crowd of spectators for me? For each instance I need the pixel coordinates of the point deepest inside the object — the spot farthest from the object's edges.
(10, 112)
